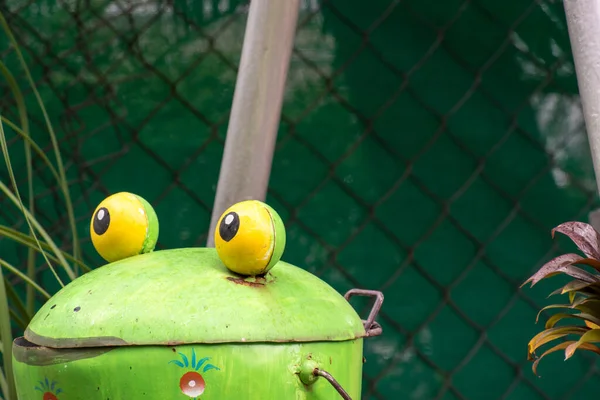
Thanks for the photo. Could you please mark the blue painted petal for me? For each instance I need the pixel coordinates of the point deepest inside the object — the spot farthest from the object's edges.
(52, 385)
(193, 359)
(58, 391)
(185, 359)
(47, 383)
(177, 362)
(201, 362)
(209, 367)
(37, 388)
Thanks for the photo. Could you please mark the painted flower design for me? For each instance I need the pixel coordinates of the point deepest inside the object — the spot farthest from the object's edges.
(49, 389)
(192, 383)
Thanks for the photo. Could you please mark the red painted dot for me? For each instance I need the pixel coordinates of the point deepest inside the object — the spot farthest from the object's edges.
(49, 396)
(191, 384)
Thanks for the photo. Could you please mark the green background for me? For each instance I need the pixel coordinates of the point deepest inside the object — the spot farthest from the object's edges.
(426, 149)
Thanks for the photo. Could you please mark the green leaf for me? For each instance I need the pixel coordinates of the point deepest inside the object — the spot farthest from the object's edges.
(592, 307)
(551, 306)
(562, 346)
(578, 286)
(553, 320)
(591, 336)
(551, 334)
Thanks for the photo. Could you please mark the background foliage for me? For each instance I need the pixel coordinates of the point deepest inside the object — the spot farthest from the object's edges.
(426, 149)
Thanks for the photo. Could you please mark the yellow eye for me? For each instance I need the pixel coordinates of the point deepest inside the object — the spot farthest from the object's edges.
(250, 238)
(123, 225)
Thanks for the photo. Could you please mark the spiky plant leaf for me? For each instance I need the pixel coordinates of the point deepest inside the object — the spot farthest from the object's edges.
(553, 320)
(591, 325)
(580, 318)
(551, 334)
(583, 235)
(563, 346)
(591, 306)
(581, 287)
(590, 262)
(562, 264)
(591, 336)
(551, 306)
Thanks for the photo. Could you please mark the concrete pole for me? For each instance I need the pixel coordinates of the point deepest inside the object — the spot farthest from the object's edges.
(256, 108)
(583, 21)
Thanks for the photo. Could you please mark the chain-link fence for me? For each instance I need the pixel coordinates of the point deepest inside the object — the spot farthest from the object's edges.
(426, 149)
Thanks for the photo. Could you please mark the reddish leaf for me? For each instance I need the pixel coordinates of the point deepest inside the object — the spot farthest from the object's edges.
(564, 264)
(590, 262)
(583, 235)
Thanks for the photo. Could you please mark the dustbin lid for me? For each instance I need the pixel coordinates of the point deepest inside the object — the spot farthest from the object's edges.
(183, 296)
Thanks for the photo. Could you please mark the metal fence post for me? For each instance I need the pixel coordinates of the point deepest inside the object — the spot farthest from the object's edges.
(583, 21)
(256, 108)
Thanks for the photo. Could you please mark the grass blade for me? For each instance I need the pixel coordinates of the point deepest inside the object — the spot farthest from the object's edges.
(22, 111)
(25, 278)
(44, 234)
(30, 242)
(33, 145)
(61, 170)
(6, 338)
(18, 202)
(3, 383)
(18, 303)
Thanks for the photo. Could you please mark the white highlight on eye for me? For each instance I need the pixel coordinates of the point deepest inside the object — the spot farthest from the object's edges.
(228, 219)
(141, 210)
(101, 214)
(192, 383)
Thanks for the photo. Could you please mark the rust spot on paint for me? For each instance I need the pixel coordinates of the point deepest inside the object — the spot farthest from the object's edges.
(258, 282)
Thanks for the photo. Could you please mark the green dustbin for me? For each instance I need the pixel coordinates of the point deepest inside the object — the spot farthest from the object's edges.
(177, 324)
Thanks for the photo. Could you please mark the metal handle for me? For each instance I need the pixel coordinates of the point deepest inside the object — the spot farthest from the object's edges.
(334, 383)
(371, 327)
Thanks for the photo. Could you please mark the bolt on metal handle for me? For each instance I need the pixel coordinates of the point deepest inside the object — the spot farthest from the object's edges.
(371, 327)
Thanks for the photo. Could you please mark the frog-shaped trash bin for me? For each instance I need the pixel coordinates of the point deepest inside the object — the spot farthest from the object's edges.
(231, 322)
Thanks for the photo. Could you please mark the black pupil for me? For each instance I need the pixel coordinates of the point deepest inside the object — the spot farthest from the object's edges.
(101, 221)
(230, 224)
